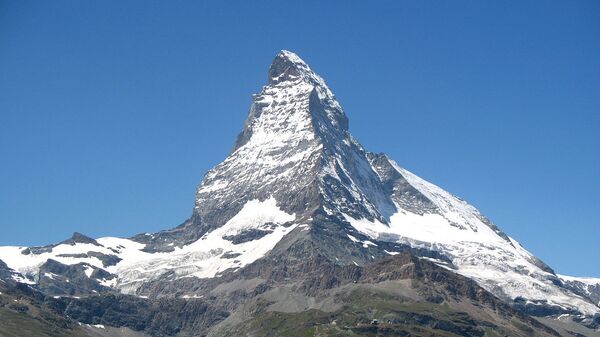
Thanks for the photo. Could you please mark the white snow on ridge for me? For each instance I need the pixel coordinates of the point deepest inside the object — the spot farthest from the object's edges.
(501, 266)
(202, 258)
(254, 214)
(427, 228)
(454, 209)
(589, 285)
(585, 280)
(28, 264)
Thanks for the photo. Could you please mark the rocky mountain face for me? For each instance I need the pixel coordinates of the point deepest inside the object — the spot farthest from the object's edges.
(301, 224)
(585, 287)
(26, 312)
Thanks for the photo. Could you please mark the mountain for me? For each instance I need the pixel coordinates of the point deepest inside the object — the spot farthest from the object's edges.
(586, 287)
(300, 214)
(25, 312)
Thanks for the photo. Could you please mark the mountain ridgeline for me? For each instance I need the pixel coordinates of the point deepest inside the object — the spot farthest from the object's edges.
(302, 231)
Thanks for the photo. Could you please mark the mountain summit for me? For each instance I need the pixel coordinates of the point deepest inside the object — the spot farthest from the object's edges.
(295, 148)
(298, 187)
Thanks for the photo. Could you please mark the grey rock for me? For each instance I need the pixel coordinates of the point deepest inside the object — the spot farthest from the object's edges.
(76, 238)
(57, 279)
(247, 235)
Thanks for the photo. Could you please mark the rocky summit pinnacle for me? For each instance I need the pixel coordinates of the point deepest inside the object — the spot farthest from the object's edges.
(296, 195)
(287, 66)
(295, 147)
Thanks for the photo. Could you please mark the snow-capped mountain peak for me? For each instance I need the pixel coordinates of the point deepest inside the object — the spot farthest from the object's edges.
(295, 146)
(296, 173)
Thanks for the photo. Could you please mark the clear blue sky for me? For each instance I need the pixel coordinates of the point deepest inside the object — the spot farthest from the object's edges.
(111, 112)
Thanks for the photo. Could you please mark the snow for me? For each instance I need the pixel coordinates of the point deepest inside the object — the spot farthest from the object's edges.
(368, 243)
(588, 285)
(585, 280)
(26, 264)
(88, 271)
(304, 227)
(426, 227)
(254, 214)
(201, 258)
(353, 238)
(21, 279)
(108, 283)
(475, 249)
(293, 57)
(193, 296)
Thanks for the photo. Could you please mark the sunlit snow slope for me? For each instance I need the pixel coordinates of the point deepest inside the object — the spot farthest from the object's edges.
(211, 254)
(476, 248)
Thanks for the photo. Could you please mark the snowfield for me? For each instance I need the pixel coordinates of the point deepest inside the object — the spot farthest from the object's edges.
(202, 258)
(501, 266)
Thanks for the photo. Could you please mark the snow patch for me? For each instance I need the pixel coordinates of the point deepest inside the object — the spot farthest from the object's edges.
(353, 238)
(88, 271)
